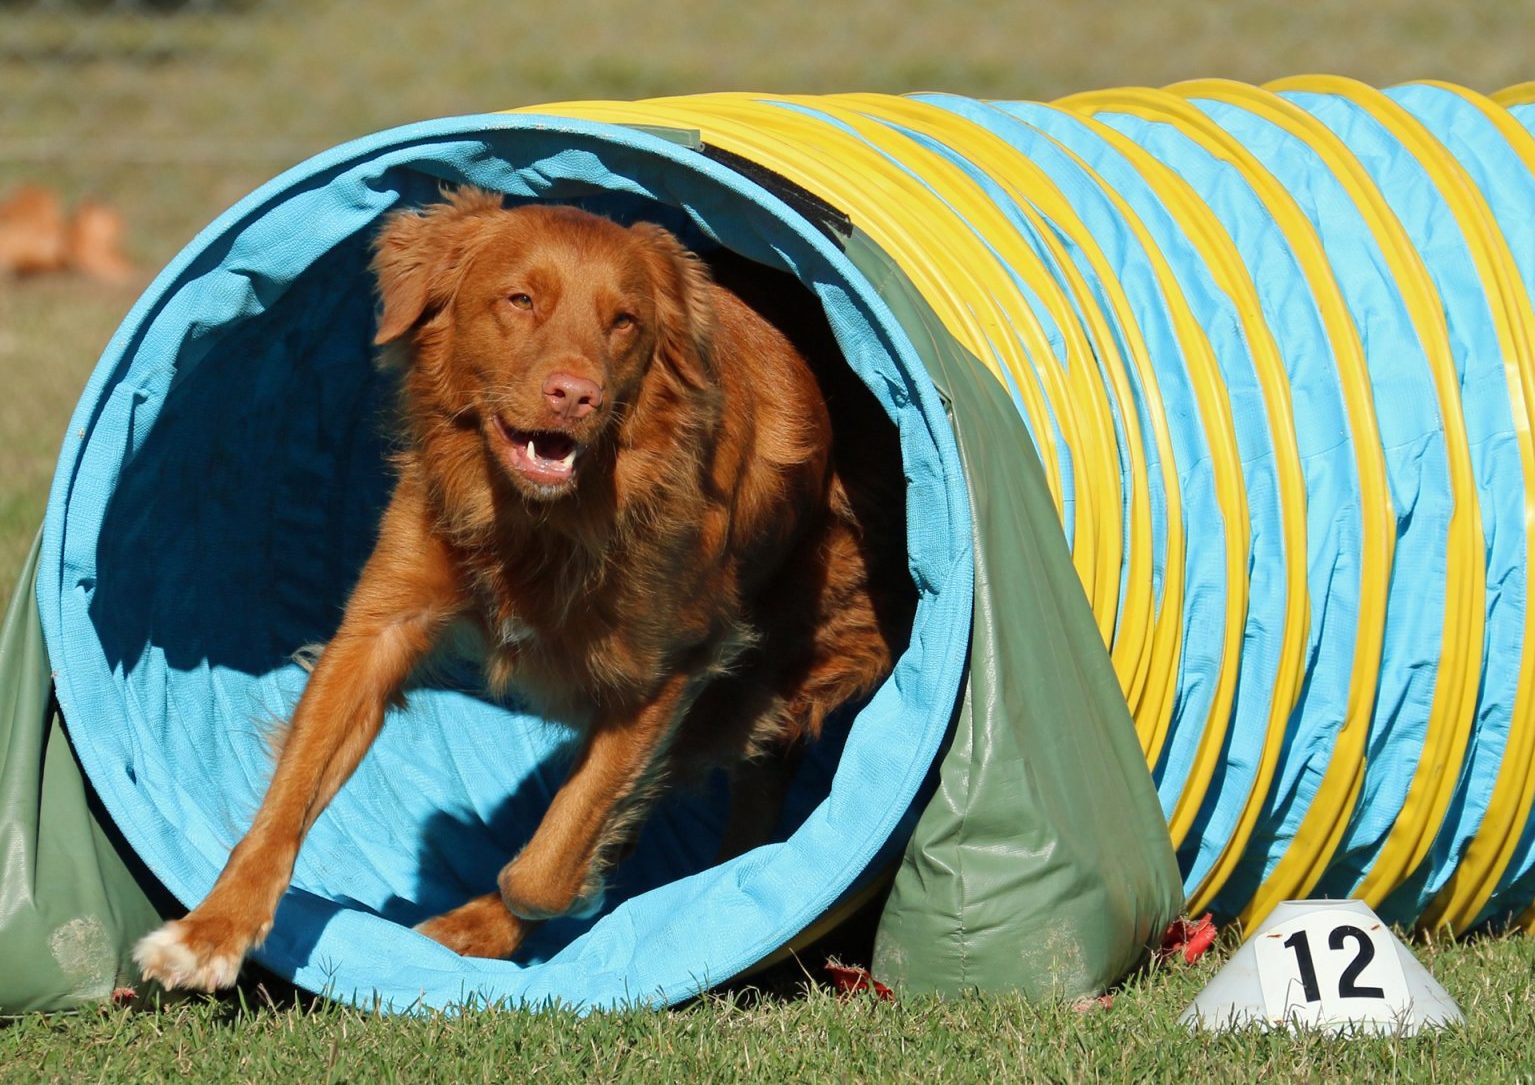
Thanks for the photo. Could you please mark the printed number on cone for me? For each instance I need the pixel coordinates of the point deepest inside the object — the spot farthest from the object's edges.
(1331, 966)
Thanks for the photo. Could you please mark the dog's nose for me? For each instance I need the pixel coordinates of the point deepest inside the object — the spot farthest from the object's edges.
(571, 397)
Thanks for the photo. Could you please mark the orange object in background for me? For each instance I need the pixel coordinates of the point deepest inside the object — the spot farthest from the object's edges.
(38, 237)
(95, 244)
(33, 230)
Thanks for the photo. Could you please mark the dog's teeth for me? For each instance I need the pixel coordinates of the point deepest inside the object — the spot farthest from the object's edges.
(570, 460)
(532, 451)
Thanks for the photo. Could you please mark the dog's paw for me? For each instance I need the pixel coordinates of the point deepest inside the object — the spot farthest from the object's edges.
(185, 954)
(481, 928)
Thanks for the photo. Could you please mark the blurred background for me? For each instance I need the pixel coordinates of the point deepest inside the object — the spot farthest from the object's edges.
(133, 123)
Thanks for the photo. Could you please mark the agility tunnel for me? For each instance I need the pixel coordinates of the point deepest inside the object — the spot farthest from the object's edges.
(1215, 414)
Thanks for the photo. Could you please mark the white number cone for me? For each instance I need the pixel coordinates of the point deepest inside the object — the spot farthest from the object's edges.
(1327, 964)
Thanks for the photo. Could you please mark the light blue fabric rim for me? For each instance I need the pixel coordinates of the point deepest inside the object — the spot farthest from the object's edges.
(733, 915)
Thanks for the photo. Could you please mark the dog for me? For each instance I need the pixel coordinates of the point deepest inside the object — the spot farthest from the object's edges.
(624, 481)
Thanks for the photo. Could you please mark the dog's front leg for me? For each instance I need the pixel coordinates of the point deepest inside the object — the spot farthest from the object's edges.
(407, 593)
(614, 780)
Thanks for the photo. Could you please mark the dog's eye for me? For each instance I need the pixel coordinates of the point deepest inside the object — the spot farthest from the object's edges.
(520, 301)
(622, 321)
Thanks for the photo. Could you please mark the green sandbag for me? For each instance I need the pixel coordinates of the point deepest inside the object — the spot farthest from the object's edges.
(70, 905)
(1042, 863)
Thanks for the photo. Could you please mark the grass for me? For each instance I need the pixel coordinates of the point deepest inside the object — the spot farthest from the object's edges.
(172, 118)
(50, 333)
(808, 1035)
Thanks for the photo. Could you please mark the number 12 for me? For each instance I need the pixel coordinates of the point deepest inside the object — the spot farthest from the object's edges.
(1348, 986)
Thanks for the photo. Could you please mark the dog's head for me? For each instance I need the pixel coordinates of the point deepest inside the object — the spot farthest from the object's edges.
(539, 327)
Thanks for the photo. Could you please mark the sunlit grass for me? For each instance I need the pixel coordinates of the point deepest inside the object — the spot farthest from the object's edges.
(809, 1036)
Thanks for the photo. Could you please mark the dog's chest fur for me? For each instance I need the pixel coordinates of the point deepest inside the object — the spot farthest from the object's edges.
(573, 628)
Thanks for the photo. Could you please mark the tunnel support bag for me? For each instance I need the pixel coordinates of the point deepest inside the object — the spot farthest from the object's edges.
(71, 903)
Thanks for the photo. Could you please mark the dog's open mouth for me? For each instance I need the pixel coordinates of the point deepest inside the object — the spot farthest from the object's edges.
(546, 458)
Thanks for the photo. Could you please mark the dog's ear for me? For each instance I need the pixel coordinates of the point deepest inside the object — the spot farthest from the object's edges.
(418, 254)
(685, 314)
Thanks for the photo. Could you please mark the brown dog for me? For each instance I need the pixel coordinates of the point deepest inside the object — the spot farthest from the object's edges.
(625, 480)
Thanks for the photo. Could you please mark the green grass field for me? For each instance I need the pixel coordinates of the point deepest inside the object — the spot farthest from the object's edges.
(173, 118)
(808, 1036)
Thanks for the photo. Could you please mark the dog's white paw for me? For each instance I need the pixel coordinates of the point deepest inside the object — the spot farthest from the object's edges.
(166, 957)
